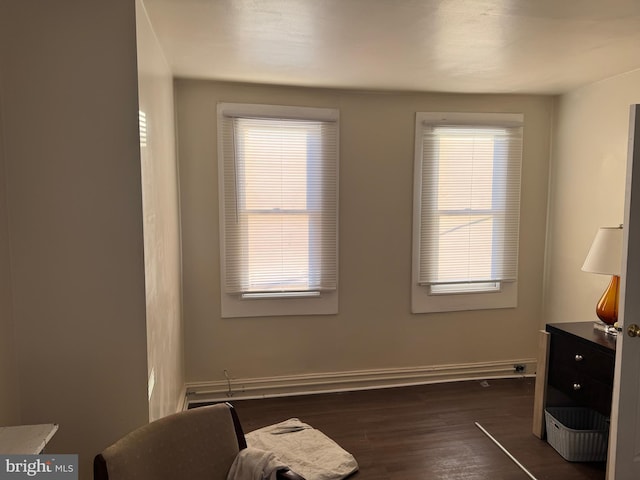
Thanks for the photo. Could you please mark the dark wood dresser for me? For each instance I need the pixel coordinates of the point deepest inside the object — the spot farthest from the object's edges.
(575, 367)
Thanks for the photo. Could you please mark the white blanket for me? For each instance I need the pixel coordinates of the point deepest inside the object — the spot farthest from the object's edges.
(254, 464)
(305, 450)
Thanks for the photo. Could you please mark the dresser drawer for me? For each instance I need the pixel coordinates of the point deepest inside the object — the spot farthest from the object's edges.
(582, 389)
(583, 358)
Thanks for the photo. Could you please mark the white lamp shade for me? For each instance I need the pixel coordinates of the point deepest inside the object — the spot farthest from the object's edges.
(605, 255)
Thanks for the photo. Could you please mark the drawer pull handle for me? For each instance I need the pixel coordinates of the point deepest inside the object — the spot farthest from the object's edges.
(577, 386)
(579, 357)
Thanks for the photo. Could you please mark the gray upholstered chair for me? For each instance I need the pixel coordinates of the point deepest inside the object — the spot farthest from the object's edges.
(196, 444)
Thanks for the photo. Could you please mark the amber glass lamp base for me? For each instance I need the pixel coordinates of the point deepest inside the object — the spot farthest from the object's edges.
(607, 308)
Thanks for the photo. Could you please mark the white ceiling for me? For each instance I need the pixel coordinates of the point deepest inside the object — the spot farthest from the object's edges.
(506, 46)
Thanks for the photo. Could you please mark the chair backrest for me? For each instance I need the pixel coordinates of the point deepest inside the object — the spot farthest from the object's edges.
(197, 444)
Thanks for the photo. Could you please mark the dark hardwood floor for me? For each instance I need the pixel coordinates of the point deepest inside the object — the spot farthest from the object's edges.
(429, 431)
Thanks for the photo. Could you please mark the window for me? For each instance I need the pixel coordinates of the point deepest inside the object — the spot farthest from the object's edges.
(466, 211)
(278, 209)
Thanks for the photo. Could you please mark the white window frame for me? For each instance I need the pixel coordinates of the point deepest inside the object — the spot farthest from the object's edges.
(235, 305)
(422, 300)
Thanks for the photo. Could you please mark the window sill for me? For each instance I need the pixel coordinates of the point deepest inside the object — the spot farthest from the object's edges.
(233, 306)
(422, 302)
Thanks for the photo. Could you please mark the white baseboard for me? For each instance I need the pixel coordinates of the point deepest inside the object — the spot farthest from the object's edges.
(305, 384)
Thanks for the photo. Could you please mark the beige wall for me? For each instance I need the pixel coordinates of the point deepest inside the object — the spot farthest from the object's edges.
(161, 223)
(374, 328)
(68, 73)
(587, 190)
(9, 386)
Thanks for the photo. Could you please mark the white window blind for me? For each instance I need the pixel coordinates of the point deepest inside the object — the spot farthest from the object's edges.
(469, 206)
(280, 205)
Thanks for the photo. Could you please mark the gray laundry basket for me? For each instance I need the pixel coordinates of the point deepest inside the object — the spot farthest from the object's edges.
(578, 434)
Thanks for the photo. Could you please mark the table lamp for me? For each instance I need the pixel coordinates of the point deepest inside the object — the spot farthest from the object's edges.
(605, 257)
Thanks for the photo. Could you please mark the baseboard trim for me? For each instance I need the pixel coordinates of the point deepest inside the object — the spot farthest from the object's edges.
(330, 382)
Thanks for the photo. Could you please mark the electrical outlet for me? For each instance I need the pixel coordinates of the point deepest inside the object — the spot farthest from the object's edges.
(519, 368)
